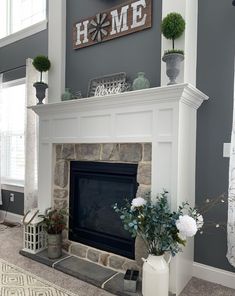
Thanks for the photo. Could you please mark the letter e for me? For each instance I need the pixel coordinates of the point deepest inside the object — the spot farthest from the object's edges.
(138, 18)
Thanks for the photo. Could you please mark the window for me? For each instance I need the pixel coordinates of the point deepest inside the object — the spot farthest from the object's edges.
(16, 15)
(12, 114)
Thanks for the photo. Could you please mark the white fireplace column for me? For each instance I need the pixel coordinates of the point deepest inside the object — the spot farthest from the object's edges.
(56, 49)
(163, 116)
(187, 42)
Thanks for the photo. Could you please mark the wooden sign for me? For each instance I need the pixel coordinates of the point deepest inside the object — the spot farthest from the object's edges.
(127, 18)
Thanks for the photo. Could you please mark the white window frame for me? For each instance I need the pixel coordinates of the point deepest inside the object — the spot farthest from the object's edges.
(31, 30)
(10, 184)
(15, 188)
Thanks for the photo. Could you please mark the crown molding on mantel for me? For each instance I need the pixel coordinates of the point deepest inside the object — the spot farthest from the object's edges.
(184, 93)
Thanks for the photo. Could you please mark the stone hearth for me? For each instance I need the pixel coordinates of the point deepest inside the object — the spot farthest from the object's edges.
(138, 153)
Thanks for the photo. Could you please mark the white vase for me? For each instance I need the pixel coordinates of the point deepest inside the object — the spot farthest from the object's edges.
(155, 280)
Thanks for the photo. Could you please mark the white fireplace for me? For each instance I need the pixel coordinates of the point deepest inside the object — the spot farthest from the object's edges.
(166, 117)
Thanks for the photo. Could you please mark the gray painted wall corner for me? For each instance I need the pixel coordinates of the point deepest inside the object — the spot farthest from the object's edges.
(215, 77)
(15, 54)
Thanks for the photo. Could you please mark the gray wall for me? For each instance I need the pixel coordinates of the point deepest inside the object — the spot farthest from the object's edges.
(215, 77)
(15, 54)
(136, 52)
(16, 207)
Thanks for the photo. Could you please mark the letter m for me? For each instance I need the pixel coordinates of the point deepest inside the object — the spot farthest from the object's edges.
(119, 22)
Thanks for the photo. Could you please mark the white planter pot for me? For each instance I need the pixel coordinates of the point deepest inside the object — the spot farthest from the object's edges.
(155, 280)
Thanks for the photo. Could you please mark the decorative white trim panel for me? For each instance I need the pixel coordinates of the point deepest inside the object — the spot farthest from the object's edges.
(56, 48)
(214, 275)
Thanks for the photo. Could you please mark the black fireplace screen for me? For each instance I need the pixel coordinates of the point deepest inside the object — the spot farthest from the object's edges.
(94, 188)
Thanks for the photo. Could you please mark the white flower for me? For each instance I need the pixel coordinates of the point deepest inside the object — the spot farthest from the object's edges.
(186, 225)
(137, 203)
(200, 221)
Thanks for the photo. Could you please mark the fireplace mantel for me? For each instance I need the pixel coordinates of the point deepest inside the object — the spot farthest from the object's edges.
(165, 116)
(184, 93)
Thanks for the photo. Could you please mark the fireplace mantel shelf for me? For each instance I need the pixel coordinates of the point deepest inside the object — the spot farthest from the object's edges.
(185, 93)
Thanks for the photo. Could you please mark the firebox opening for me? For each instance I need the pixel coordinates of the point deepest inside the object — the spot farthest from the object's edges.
(94, 188)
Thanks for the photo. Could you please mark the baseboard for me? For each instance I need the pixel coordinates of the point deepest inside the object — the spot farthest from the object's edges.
(214, 275)
(11, 217)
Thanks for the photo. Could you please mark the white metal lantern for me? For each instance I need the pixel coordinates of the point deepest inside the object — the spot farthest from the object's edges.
(34, 233)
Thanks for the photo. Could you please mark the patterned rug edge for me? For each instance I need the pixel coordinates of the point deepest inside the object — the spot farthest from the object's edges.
(43, 281)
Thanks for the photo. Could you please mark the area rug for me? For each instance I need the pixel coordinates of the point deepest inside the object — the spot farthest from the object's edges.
(15, 281)
(6, 225)
(3, 227)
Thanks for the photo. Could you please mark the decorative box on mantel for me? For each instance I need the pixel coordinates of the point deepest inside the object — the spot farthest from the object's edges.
(163, 116)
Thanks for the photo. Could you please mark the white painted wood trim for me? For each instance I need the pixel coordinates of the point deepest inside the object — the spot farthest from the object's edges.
(34, 29)
(11, 217)
(169, 6)
(185, 93)
(214, 275)
(187, 42)
(56, 49)
(11, 187)
(191, 37)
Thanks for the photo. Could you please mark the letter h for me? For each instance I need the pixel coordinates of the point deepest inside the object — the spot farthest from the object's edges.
(81, 32)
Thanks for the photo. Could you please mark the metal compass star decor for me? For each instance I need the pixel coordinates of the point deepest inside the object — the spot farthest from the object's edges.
(98, 27)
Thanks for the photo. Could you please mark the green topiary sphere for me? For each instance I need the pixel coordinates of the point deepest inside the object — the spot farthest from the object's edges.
(173, 26)
(42, 64)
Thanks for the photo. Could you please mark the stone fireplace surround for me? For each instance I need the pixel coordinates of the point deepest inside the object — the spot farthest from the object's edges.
(163, 116)
(137, 153)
